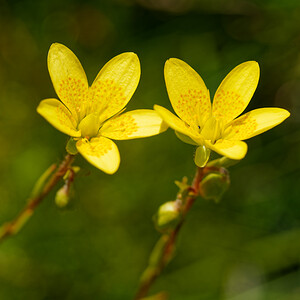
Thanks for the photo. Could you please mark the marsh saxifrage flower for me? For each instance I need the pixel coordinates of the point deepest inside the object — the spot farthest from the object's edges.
(92, 115)
(216, 126)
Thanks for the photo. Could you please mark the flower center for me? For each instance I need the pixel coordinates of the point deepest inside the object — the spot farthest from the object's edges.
(89, 125)
(211, 129)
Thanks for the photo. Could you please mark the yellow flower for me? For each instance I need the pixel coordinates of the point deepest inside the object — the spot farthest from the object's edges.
(91, 115)
(216, 126)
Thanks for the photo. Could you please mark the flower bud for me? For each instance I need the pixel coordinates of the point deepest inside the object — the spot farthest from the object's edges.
(168, 216)
(62, 197)
(214, 185)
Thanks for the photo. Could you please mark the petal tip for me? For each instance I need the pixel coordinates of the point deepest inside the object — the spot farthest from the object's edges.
(172, 61)
(242, 153)
(135, 57)
(252, 65)
(55, 44)
(130, 54)
(283, 113)
(286, 113)
(131, 58)
(55, 51)
(56, 47)
(110, 172)
(236, 151)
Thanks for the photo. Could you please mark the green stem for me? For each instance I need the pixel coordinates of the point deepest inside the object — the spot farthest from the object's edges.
(164, 249)
(14, 226)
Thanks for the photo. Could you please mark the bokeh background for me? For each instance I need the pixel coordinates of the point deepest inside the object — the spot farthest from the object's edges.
(246, 247)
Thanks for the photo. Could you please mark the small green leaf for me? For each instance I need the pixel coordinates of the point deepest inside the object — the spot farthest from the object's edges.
(41, 181)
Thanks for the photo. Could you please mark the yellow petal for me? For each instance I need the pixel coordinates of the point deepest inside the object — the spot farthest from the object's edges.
(101, 153)
(68, 78)
(187, 92)
(115, 85)
(231, 149)
(235, 91)
(255, 122)
(58, 116)
(134, 124)
(178, 125)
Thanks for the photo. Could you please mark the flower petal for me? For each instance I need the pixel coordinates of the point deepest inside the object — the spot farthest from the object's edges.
(178, 125)
(235, 91)
(231, 149)
(101, 153)
(255, 122)
(68, 78)
(115, 85)
(187, 92)
(134, 124)
(58, 116)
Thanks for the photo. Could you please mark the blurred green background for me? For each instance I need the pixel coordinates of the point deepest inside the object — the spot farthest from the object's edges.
(245, 248)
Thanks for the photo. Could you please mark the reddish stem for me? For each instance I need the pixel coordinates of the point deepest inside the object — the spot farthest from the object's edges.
(168, 249)
(13, 226)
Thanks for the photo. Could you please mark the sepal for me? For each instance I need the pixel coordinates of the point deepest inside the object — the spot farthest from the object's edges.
(184, 138)
(201, 156)
(71, 146)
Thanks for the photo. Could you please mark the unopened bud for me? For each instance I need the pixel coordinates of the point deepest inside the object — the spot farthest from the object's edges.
(62, 196)
(214, 185)
(168, 216)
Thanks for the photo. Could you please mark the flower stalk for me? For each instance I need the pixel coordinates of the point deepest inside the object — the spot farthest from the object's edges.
(163, 251)
(40, 191)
